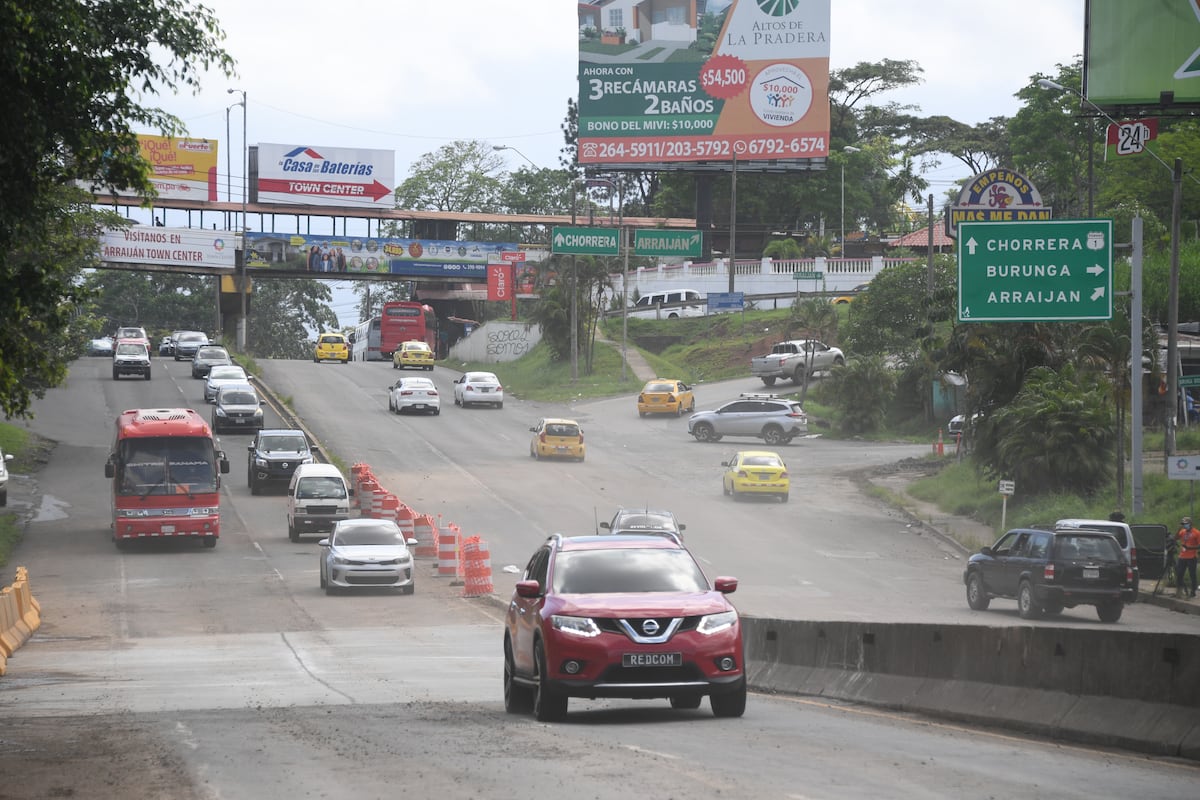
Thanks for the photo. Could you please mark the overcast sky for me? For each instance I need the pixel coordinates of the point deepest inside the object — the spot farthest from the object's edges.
(413, 75)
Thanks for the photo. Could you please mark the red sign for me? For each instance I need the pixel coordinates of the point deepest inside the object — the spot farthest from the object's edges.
(1131, 138)
(322, 188)
(511, 256)
(499, 282)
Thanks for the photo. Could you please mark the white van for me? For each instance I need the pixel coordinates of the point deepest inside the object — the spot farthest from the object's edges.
(317, 498)
(649, 306)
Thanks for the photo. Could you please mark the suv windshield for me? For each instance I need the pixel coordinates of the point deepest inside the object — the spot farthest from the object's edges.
(623, 570)
(283, 444)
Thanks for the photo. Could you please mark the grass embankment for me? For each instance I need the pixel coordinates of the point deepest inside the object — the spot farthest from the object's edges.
(22, 446)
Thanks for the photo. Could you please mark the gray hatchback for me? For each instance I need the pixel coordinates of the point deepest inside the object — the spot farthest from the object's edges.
(775, 420)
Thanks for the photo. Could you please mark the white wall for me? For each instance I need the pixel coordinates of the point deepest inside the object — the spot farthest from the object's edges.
(497, 342)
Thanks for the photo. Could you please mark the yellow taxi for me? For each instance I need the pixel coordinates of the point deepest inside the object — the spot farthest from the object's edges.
(332, 347)
(665, 396)
(557, 438)
(415, 354)
(756, 472)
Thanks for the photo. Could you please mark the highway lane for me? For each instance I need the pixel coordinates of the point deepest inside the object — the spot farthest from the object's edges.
(232, 669)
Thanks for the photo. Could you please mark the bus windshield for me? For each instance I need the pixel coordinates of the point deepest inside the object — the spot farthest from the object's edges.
(166, 465)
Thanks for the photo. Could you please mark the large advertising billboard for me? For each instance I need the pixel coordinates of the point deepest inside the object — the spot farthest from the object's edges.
(659, 84)
(379, 256)
(299, 174)
(1134, 52)
(180, 169)
(168, 247)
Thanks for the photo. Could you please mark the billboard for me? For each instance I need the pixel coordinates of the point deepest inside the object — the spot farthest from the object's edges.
(172, 247)
(1134, 52)
(997, 195)
(180, 169)
(659, 84)
(379, 256)
(297, 174)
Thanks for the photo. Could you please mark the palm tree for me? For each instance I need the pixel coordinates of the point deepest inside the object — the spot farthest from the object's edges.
(815, 318)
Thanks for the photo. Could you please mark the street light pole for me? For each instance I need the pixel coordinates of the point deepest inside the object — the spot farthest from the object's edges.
(243, 287)
(518, 152)
(847, 149)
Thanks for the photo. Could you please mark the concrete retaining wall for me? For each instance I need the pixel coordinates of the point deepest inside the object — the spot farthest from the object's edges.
(1129, 689)
(497, 342)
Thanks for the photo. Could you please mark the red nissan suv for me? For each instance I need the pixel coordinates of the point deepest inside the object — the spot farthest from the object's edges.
(630, 616)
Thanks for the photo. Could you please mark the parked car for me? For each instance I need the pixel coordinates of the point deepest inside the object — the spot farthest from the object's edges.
(237, 407)
(274, 455)
(332, 347)
(188, 343)
(220, 376)
(650, 305)
(414, 355)
(756, 472)
(478, 388)
(1123, 534)
(557, 438)
(665, 396)
(100, 347)
(131, 357)
(1047, 571)
(789, 360)
(775, 420)
(367, 554)
(4, 459)
(414, 394)
(209, 356)
(621, 616)
(645, 521)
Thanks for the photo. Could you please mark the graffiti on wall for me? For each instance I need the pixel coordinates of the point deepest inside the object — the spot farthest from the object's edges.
(510, 343)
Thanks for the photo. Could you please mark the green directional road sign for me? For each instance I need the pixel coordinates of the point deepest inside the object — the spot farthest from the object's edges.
(808, 276)
(659, 242)
(1043, 271)
(586, 241)
(1189, 381)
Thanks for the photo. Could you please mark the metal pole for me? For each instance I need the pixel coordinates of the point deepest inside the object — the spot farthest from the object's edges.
(732, 218)
(624, 280)
(1135, 364)
(574, 294)
(843, 239)
(245, 287)
(1173, 311)
(929, 268)
(228, 163)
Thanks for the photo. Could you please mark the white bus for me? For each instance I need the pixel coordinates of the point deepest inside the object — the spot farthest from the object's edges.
(365, 343)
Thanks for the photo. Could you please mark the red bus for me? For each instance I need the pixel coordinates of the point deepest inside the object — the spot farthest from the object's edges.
(166, 476)
(404, 322)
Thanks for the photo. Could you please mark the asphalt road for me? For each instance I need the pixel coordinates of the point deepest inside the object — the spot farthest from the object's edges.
(170, 670)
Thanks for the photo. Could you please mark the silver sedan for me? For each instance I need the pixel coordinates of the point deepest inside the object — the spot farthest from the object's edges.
(367, 553)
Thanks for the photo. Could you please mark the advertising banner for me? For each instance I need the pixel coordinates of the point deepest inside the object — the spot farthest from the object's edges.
(325, 176)
(1131, 138)
(386, 256)
(998, 195)
(180, 169)
(175, 247)
(1136, 52)
(499, 281)
(659, 85)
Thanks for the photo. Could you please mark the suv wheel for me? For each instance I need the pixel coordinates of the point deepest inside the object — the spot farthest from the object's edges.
(704, 433)
(977, 596)
(773, 435)
(1026, 605)
(518, 699)
(548, 705)
(1110, 611)
(769, 381)
(254, 487)
(729, 704)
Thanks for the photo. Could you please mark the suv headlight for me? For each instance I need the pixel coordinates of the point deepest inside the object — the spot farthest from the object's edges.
(258, 412)
(260, 462)
(220, 412)
(577, 626)
(715, 623)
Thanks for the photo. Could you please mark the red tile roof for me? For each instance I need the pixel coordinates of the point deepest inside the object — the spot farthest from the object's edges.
(918, 240)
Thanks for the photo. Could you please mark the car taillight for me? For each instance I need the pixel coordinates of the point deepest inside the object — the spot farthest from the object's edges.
(794, 415)
(641, 398)
(1128, 574)
(1048, 572)
(405, 392)
(499, 388)
(581, 437)
(741, 473)
(671, 398)
(432, 392)
(468, 388)
(783, 474)
(542, 438)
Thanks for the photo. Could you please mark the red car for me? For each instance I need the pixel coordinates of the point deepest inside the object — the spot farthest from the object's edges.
(630, 616)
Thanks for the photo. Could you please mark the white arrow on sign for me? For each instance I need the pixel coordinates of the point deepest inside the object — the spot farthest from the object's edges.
(1095, 269)
(558, 239)
(971, 245)
(1098, 292)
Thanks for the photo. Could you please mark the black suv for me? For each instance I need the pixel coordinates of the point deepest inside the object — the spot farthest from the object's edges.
(274, 455)
(1047, 571)
(645, 520)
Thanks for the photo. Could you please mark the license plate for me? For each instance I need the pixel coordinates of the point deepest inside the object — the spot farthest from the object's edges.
(484, 389)
(418, 405)
(167, 529)
(652, 660)
(1092, 573)
(239, 422)
(561, 448)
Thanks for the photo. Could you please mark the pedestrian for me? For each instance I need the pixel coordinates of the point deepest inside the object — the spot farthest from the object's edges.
(1189, 545)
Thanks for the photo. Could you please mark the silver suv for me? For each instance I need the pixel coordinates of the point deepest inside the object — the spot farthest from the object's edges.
(775, 420)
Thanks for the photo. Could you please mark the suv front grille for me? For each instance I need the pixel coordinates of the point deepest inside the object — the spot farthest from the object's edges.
(688, 673)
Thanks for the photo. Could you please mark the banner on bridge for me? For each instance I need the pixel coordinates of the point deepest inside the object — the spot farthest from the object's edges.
(379, 256)
(168, 247)
(325, 176)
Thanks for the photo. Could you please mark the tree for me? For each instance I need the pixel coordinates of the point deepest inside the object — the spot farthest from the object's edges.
(862, 390)
(460, 176)
(73, 73)
(286, 310)
(815, 318)
(373, 294)
(894, 316)
(160, 302)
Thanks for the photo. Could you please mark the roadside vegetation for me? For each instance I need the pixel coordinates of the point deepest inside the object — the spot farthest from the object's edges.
(28, 452)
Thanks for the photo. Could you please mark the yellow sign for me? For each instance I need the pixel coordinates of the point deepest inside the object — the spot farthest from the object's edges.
(181, 169)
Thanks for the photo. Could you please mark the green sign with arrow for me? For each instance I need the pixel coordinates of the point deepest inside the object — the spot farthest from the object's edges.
(659, 242)
(1043, 271)
(585, 241)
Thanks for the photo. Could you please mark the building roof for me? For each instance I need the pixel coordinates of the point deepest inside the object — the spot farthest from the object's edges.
(919, 240)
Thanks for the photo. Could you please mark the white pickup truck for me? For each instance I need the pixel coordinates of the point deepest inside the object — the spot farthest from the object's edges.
(787, 361)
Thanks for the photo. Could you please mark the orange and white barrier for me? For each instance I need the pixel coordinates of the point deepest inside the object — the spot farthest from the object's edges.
(20, 616)
(447, 565)
(385, 506)
(477, 567)
(405, 519)
(425, 531)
